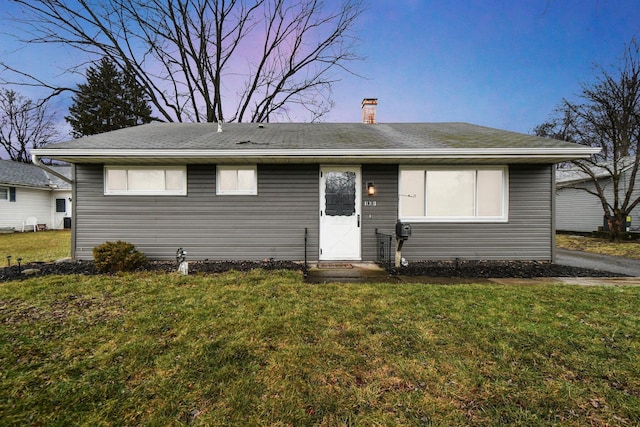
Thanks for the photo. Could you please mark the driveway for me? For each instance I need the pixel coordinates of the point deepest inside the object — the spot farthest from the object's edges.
(628, 266)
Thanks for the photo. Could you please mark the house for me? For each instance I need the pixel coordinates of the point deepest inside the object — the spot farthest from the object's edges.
(248, 191)
(578, 210)
(29, 191)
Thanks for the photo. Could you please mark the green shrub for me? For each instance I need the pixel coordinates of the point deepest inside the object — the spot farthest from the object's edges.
(111, 257)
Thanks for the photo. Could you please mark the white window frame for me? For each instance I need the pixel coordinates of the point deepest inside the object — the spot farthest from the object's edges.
(7, 192)
(504, 217)
(127, 192)
(250, 192)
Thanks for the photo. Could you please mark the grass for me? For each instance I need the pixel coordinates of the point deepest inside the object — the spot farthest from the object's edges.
(599, 246)
(32, 247)
(263, 348)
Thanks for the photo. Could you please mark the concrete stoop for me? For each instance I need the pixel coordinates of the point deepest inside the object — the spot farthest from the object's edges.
(346, 271)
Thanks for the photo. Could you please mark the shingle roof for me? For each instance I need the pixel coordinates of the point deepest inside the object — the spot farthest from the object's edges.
(29, 175)
(574, 174)
(291, 136)
(313, 142)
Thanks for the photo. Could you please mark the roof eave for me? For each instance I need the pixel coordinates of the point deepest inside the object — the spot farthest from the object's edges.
(521, 155)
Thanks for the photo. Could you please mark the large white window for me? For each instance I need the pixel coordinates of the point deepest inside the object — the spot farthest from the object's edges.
(236, 180)
(459, 194)
(4, 193)
(168, 180)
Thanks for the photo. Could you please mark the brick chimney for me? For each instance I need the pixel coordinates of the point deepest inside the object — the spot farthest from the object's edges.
(369, 110)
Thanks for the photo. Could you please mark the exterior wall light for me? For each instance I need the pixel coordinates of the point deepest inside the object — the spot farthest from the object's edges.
(371, 189)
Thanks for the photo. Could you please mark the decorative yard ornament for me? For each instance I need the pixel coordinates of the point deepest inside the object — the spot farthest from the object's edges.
(181, 259)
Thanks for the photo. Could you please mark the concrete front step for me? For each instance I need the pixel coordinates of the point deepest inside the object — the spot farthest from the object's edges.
(344, 271)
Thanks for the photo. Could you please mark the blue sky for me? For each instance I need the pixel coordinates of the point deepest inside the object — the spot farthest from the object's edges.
(504, 64)
(497, 63)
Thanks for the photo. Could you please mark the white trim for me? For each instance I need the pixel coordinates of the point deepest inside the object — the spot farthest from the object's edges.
(251, 192)
(497, 155)
(442, 153)
(459, 219)
(127, 192)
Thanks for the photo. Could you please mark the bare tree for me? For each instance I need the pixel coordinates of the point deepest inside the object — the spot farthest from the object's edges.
(608, 118)
(209, 60)
(24, 124)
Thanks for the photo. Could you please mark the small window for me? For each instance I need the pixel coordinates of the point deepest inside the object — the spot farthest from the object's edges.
(146, 180)
(236, 180)
(454, 194)
(8, 194)
(61, 205)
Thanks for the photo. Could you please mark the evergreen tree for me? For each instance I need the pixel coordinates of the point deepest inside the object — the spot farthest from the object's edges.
(110, 99)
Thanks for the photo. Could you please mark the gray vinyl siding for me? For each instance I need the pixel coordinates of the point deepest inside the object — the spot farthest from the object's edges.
(384, 215)
(268, 225)
(271, 224)
(580, 211)
(576, 210)
(526, 236)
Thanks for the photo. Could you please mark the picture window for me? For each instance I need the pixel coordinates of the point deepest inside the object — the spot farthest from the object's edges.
(453, 194)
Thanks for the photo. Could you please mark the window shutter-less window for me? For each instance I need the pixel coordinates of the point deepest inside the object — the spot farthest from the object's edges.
(61, 206)
(12, 194)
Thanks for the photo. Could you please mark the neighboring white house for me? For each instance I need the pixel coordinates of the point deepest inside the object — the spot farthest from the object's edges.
(28, 191)
(578, 210)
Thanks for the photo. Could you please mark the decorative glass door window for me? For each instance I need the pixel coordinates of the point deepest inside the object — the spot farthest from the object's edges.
(340, 193)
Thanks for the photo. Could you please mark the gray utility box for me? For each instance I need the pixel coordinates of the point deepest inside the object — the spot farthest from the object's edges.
(605, 223)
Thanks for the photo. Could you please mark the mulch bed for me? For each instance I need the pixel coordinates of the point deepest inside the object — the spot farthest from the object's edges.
(88, 268)
(496, 269)
(458, 268)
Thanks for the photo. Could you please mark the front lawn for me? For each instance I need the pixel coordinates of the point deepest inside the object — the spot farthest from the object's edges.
(34, 247)
(264, 348)
(598, 246)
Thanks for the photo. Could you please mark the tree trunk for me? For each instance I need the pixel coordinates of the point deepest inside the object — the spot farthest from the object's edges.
(617, 226)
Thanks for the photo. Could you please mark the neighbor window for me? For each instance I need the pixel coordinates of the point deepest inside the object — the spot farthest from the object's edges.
(8, 193)
(237, 180)
(170, 180)
(453, 194)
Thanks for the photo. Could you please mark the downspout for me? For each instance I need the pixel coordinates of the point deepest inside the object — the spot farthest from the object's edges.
(36, 161)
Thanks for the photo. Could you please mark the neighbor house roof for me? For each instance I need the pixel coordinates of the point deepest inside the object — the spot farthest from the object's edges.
(574, 174)
(28, 175)
(312, 143)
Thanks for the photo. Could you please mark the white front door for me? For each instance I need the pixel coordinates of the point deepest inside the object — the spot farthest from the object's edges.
(340, 200)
